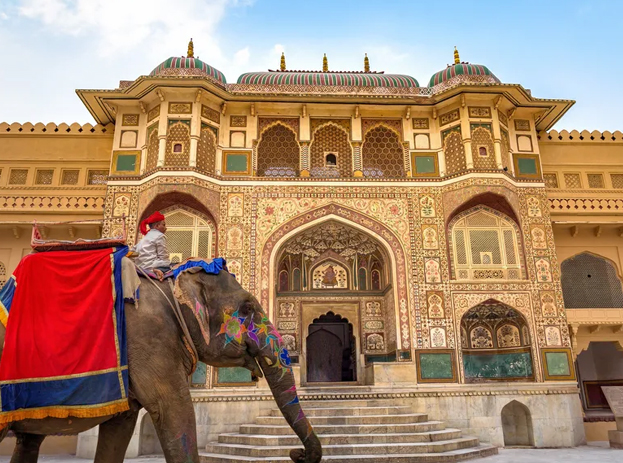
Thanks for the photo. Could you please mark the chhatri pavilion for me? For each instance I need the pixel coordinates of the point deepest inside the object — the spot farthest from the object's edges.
(433, 243)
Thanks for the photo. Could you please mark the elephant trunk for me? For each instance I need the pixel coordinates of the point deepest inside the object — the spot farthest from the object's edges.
(274, 361)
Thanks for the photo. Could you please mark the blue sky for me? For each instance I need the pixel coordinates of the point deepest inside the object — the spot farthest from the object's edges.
(558, 49)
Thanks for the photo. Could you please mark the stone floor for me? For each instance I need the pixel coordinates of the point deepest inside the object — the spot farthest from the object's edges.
(597, 453)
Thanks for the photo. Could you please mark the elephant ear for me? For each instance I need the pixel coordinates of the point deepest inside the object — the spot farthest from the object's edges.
(188, 292)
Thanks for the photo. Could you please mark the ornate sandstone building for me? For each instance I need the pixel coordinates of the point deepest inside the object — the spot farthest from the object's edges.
(438, 244)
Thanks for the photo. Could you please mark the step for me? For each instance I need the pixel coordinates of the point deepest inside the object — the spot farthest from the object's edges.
(285, 430)
(367, 419)
(347, 449)
(347, 411)
(483, 450)
(332, 439)
(349, 402)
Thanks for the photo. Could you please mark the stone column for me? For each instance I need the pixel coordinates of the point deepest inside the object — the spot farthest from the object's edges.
(305, 138)
(356, 137)
(497, 139)
(195, 133)
(467, 138)
(162, 132)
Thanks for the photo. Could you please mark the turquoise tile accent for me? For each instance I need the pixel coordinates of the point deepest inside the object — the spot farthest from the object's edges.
(425, 164)
(199, 376)
(515, 365)
(527, 166)
(233, 375)
(126, 163)
(557, 363)
(436, 366)
(381, 358)
(236, 163)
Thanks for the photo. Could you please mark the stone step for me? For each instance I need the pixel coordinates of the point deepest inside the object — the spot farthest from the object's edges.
(349, 403)
(333, 439)
(367, 429)
(445, 457)
(367, 419)
(347, 411)
(347, 449)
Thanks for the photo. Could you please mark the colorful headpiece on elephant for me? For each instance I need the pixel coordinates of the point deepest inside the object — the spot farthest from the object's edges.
(155, 217)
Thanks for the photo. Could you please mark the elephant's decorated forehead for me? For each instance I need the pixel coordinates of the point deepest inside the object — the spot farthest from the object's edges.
(213, 266)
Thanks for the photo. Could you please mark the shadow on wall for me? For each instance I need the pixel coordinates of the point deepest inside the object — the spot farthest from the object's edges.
(517, 425)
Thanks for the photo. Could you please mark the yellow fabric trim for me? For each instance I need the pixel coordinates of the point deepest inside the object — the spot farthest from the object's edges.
(81, 411)
(4, 314)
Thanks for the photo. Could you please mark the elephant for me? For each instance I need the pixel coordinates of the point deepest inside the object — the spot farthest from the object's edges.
(227, 327)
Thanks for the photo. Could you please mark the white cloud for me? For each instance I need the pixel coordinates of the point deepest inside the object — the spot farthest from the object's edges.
(242, 56)
(3, 15)
(123, 25)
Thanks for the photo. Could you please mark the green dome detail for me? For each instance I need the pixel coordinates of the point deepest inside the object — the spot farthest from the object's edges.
(460, 69)
(175, 66)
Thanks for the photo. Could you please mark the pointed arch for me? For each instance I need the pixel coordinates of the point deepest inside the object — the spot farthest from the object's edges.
(517, 425)
(278, 151)
(333, 138)
(591, 281)
(382, 152)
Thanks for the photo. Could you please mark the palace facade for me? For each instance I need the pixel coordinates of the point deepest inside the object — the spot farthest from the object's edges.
(439, 240)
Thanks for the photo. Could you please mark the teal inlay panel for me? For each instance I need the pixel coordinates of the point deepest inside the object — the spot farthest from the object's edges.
(425, 164)
(236, 163)
(381, 358)
(557, 363)
(233, 375)
(126, 163)
(436, 366)
(527, 166)
(493, 366)
(405, 355)
(199, 376)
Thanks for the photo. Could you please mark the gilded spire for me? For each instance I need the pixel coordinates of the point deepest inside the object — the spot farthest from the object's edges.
(366, 64)
(457, 60)
(325, 64)
(191, 50)
(283, 61)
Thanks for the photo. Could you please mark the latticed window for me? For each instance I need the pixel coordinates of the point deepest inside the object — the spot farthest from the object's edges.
(331, 154)
(97, 177)
(70, 177)
(44, 177)
(590, 281)
(483, 153)
(573, 181)
(152, 149)
(454, 151)
(278, 153)
(617, 181)
(178, 145)
(188, 235)
(206, 150)
(485, 247)
(382, 154)
(551, 180)
(595, 180)
(2, 275)
(18, 176)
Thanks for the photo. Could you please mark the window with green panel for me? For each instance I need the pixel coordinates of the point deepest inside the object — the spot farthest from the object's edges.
(425, 164)
(236, 163)
(527, 166)
(126, 163)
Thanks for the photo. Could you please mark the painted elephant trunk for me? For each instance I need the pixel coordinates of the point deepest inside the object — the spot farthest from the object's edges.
(274, 361)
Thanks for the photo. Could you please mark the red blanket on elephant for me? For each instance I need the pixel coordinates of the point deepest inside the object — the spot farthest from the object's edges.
(65, 351)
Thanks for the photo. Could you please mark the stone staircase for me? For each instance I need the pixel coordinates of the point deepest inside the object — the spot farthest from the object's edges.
(350, 431)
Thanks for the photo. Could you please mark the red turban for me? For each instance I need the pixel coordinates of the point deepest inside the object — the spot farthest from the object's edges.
(155, 217)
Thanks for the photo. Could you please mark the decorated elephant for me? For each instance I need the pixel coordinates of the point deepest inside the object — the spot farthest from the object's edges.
(227, 328)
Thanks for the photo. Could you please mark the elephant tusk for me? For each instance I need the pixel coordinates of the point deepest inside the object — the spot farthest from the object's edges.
(269, 361)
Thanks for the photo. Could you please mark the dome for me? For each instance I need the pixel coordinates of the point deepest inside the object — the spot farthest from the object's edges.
(188, 66)
(472, 72)
(337, 79)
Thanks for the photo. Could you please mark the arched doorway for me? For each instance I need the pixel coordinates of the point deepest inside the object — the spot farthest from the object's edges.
(517, 425)
(495, 344)
(331, 350)
(189, 234)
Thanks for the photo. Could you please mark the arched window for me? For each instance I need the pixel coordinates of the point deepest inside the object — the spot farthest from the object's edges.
(590, 281)
(382, 154)
(189, 234)
(485, 246)
(278, 153)
(283, 281)
(296, 279)
(375, 276)
(362, 277)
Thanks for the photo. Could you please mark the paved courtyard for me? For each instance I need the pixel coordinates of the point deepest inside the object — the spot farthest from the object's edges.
(586, 454)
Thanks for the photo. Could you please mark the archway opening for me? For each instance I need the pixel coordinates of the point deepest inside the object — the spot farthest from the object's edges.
(495, 344)
(331, 350)
(149, 444)
(599, 365)
(590, 281)
(517, 425)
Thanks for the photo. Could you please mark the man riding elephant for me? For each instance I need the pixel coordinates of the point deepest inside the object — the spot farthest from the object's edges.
(220, 323)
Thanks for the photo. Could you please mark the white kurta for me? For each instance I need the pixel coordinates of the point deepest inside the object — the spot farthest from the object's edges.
(152, 251)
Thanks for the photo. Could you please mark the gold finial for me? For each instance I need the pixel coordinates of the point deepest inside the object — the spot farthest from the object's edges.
(283, 61)
(191, 50)
(325, 64)
(366, 64)
(457, 60)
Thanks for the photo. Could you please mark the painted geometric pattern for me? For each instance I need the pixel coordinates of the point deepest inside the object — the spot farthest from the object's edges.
(178, 133)
(328, 78)
(152, 150)
(481, 138)
(330, 138)
(505, 148)
(455, 153)
(460, 69)
(278, 153)
(382, 154)
(206, 150)
(188, 66)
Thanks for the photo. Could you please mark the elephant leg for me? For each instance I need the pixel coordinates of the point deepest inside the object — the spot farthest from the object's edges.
(114, 437)
(174, 420)
(27, 448)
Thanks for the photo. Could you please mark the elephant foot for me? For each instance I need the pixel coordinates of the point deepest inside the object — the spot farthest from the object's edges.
(301, 456)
